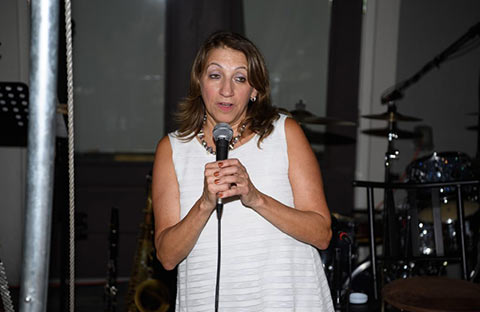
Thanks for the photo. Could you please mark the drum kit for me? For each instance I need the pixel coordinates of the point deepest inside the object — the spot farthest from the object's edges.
(442, 194)
(344, 273)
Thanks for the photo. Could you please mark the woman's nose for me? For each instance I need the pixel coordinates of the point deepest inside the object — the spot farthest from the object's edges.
(226, 88)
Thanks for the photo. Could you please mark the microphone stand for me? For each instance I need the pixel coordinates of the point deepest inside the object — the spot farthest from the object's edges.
(342, 238)
(337, 276)
(397, 92)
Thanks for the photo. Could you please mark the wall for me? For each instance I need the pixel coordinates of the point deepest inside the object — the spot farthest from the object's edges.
(378, 67)
(119, 75)
(294, 42)
(445, 96)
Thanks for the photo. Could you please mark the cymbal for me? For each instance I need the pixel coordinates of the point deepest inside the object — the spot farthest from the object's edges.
(384, 132)
(305, 117)
(326, 138)
(342, 218)
(448, 211)
(392, 116)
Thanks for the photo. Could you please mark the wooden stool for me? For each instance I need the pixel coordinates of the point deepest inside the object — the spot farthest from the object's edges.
(432, 294)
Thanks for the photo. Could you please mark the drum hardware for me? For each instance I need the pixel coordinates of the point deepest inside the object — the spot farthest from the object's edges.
(474, 273)
(396, 133)
(390, 229)
(305, 117)
(392, 133)
(341, 292)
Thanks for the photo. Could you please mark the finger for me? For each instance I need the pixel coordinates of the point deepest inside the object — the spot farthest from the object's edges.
(228, 180)
(228, 162)
(214, 189)
(231, 170)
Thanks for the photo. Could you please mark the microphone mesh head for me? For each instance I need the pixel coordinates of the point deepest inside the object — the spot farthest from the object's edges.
(222, 131)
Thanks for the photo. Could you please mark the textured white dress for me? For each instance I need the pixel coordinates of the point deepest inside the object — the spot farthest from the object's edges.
(262, 268)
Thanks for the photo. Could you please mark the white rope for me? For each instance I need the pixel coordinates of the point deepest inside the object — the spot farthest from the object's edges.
(71, 172)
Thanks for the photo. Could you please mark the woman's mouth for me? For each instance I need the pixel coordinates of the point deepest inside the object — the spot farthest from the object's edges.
(224, 106)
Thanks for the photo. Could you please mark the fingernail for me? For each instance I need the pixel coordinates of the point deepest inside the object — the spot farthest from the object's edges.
(220, 164)
(216, 181)
(220, 195)
(216, 174)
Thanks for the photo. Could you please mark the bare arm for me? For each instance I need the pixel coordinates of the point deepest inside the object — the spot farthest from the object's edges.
(175, 238)
(310, 220)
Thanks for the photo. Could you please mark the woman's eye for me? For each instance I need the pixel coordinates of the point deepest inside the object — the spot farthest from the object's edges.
(214, 76)
(240, 79)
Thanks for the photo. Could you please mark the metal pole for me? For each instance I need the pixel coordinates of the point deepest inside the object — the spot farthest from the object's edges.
(373, 250)
(461, 219)
(40, 155)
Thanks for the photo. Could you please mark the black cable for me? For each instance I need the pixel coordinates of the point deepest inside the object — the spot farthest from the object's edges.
(219, 209)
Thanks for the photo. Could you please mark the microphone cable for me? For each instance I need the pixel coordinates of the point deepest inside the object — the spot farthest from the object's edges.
(219, 209)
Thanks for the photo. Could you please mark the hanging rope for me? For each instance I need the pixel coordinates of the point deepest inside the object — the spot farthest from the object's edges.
(71, 172)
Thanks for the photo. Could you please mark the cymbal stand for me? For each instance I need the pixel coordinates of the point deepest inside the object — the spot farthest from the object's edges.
(390, 227)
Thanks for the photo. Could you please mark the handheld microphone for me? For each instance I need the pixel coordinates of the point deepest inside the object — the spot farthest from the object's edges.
(222, 135)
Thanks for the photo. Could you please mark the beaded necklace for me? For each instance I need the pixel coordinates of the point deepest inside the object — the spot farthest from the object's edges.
(209, 149)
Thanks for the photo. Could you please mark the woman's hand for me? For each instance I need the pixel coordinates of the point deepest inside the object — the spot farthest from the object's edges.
(210, 187)
(232, 179)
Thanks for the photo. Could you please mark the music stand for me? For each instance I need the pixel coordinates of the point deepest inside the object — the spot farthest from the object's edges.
(13, 114)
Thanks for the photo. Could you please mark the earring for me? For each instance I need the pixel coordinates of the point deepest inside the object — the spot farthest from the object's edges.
(253, 98)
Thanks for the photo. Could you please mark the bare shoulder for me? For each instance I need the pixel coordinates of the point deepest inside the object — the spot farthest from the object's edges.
(163, 147)
(163, 163)
(165, 194)
(295, 135)
(300, 153)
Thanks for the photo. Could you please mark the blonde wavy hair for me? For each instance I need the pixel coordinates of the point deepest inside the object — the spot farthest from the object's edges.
(260, 114)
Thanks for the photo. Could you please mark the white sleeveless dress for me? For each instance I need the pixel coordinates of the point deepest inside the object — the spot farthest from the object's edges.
(262, 268)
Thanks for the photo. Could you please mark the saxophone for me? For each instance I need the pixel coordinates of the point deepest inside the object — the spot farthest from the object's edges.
(145, 293)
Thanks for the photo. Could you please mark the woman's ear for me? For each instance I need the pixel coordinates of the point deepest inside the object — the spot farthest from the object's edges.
(254, 95)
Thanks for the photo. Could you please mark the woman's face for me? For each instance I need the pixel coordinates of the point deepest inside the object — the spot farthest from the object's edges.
(225, 88)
